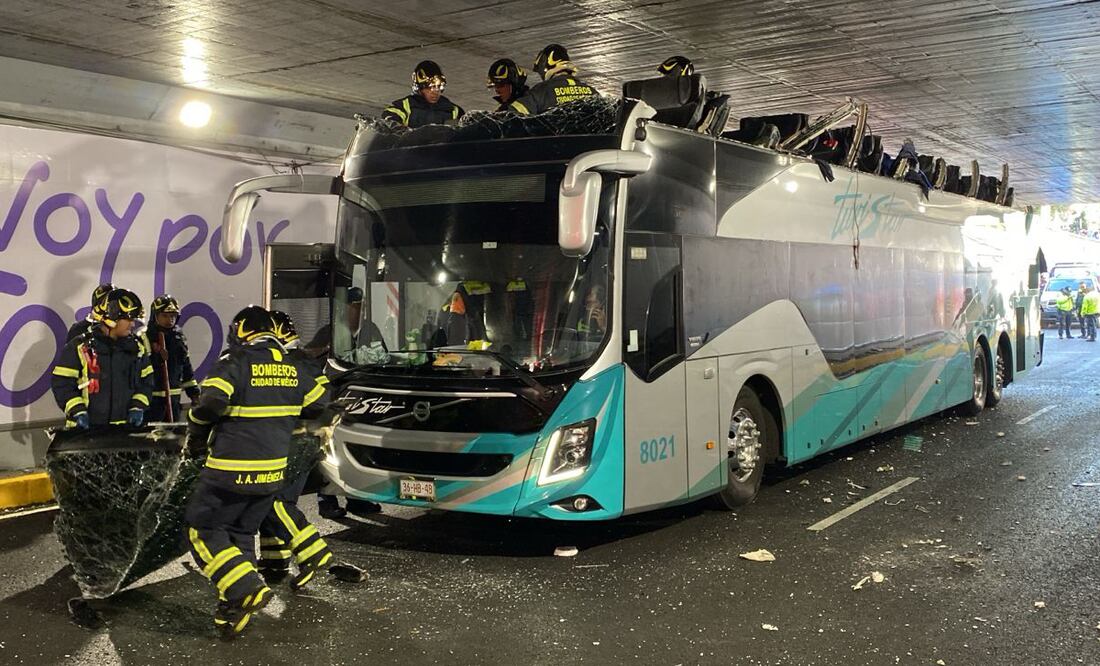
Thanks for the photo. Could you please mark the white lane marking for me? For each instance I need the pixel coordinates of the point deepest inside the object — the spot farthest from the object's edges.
(1029, 419)
(862, 504)
(27, 512)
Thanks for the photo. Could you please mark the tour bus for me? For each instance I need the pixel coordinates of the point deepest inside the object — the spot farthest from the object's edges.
(583, 319)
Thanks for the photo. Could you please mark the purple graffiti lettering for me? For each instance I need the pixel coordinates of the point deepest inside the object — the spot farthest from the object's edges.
(82, 313)
(279, 228)
(223, 266)
(169, 231)
(120, 223)
(39, 172)
(30, 313)
(13, 284)
(83, 224)
(206, 312)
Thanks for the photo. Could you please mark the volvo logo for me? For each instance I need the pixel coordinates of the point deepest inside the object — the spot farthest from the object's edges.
(422, 410)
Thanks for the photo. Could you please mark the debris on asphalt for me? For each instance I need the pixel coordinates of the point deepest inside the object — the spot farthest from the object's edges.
(804, 482)
(1040, 604)
(885, 468)
(1000, 434)
(566, 551)
(827, 500)
(769, 627)
(940, 662)
(971, 560)
(1046, 449)
(1021, 478)
(973, 423)
(1006, 463)
(889, 503)
(762, 555)
(913, 443)
(852, 484)
(348, 573)
(875, 577)
(1086, 484)
(83, 615)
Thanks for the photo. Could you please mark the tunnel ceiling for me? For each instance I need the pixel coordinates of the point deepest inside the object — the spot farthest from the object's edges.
(1012, 81)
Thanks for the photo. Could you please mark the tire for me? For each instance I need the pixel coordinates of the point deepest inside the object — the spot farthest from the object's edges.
(979, 382)
(997, 379)
(753, 442)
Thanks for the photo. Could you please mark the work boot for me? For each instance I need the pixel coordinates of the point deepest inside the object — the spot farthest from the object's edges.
(363, 508)
(329, 507)
(231, 617)
(307, 569)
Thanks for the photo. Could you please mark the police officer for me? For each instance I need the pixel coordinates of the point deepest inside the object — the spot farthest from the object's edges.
(102, 376)
(172, 373)
(559, 85)
(1065, 306)
(286, 532)
(251, 400)
(676, 66)
(426, 105)
(508, 80)
(99, 301)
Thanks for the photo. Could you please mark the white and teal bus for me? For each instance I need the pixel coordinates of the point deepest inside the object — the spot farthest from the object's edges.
(625, 314)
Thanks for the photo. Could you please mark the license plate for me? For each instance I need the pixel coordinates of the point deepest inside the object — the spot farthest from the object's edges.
(418, 489)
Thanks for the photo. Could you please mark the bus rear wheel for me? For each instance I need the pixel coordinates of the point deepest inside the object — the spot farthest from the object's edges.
(979, 382)
(752, 442)
(999, 378)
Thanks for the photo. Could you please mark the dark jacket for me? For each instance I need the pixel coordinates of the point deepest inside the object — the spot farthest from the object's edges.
(252, 398)
(414, 111)
(517, 93)
(552, 92)
(79, 328)
(103, 377)
(181, 377)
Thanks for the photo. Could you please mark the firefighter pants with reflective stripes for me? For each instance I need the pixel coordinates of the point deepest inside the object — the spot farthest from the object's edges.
(221, 532)
(286, 532)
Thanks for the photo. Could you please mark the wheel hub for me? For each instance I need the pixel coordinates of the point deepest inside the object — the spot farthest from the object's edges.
(744, 445)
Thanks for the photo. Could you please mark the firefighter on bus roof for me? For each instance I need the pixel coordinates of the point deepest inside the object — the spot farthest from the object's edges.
(248, 408)
(508, 81)
(99, 302)
(559, 85)
(426, 105)
(172, 373)
(286, 532)
(103, 376)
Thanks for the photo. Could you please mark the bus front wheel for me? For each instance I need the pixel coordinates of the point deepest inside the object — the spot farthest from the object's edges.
(979, 382)
(752, 442)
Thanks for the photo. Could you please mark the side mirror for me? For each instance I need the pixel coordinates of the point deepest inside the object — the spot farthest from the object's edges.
(579, 196)
(245, 196)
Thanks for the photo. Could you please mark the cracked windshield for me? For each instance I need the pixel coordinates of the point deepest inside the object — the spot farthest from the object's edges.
(436, 268)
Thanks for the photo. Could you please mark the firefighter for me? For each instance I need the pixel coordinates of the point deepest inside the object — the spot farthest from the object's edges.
(286, 532)
(508, 80)
(559, 85)
(99, 300)
(426, 105)
(172, 373)
(102, 376)
(676, 66)
(247, 410)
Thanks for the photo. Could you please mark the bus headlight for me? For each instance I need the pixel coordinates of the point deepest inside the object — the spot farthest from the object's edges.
(569, 452)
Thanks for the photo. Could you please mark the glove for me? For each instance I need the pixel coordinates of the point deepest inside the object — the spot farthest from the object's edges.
(193, 395)
(136, 418)
(82, 421)
(195, 443)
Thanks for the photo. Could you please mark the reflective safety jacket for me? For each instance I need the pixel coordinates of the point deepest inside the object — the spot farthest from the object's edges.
(554, 91)
(253, 397)
(181, 378)
(414, 111)
(104, 377)
(1064, 302)
(1091, 304)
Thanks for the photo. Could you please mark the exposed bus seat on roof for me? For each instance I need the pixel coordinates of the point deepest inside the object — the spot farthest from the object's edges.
(951, 181)
(765, 135)
(752, 127)
(716, 112)
(679, 100)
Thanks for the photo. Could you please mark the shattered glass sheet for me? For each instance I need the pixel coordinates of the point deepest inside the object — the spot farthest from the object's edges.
(122, 494)
(594, 115)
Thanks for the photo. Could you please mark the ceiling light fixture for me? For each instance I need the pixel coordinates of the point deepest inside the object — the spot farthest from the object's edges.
(195, 114)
